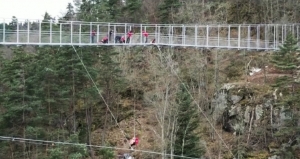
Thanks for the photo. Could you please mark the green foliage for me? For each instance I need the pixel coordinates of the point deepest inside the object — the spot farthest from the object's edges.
(235, 69)
(167, 10)
(132, 10)
(286, 57)
(106, 153)
(76, 151)
(187, 142)
(239, 11)
(70, 12)
(40, 92)
(56, 153)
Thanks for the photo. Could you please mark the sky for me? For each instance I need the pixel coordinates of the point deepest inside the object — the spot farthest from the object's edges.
(32, 9)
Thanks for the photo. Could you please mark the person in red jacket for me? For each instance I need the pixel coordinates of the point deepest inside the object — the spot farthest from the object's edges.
(133, 142)
(145, 34)
(104, 40)
(129, 34)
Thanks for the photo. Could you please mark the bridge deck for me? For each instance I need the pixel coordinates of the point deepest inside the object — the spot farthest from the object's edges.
(258, 36)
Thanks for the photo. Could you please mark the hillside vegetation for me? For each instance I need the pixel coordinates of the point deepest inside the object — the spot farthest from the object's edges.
(192, 102)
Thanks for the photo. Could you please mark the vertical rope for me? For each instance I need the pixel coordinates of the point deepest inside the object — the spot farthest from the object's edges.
(134, 115)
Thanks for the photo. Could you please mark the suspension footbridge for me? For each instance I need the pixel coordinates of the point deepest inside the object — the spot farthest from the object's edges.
(79, 33)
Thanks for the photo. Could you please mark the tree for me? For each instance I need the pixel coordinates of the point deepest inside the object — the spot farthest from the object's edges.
(13, 24)
(286, 57)
(132, 9)
(167, 10)
(111, 82)
(187, 140)
(70, 12)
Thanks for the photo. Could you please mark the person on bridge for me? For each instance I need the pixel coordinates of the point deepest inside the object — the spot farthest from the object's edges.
(145, 34)
(133, 142)
(129, 34)
(110, 34)
(153, 41)
(119, 39)
(104, 40)
(93, 34)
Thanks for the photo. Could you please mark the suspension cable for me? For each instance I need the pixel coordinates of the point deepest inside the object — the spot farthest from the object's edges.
(201, 110)
(33, 141)
(107, 106)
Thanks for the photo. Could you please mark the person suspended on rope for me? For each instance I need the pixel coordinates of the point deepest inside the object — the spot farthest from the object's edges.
(145, 34)
(127, 156)
(133, 142)
(129, 34)
(104, 40)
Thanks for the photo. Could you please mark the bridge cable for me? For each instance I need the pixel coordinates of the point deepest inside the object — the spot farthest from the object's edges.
(45, 142)
(107, 106)
(201, 110)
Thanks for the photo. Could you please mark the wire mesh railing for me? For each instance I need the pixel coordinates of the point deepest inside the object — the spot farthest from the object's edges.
(243, 36)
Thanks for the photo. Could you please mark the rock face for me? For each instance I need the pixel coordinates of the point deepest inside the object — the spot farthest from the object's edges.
(241, 106)
(234, 106)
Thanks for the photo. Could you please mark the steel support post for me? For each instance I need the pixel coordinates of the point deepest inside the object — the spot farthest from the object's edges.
(98, 30)
(257, 36)
(284, 32)
(239, 37)
(141, 35)
(80, 34)
(40, 31)
(249, 37)
(90, 33)
(297, 31)
(183, 35)
(115, 29)
(130, 37)
(266, 27)
(207, 34)
(158, 35)
(71, 32)
(18, 32)
(108, 35)
(125, 34)
(50, 31)
(228, 37)
(218, 35)
(3, 40)
(28, 29)
(172, 35)
(196, 32)
(60, 32)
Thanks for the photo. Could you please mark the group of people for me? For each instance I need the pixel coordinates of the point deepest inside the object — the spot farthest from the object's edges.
(121, 39)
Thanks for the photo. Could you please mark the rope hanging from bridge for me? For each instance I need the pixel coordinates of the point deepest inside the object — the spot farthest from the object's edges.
(202, 112)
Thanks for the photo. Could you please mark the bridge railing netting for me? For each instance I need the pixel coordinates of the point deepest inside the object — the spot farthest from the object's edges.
(240, 36)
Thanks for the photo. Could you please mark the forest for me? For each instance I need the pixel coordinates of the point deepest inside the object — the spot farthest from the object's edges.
(87, 102)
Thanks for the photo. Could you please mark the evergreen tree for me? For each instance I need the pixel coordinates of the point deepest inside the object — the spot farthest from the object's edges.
(111, 82)
(70, 12)
(286, 57)
(187, 140)
(167, 11)
(132, 11)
